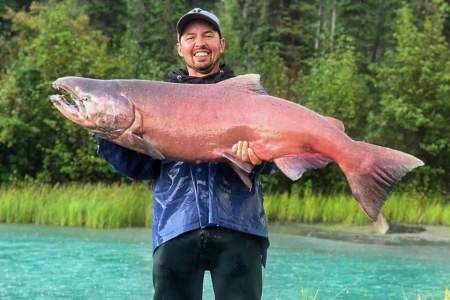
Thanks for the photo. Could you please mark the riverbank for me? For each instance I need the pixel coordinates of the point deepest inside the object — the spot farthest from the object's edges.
(430, 235)
(129, 205)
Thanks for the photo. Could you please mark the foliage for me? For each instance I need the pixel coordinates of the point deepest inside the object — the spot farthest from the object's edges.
(382, 67)
(414, 87)
(335, 88)
(369, 23)
(273, 72)
(5, 27)
(150, 31)
(36, 141)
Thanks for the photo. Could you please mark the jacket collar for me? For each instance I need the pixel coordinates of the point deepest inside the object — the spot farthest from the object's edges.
(181, 76)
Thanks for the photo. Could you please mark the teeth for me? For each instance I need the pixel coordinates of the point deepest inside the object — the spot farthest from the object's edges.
(201, 54)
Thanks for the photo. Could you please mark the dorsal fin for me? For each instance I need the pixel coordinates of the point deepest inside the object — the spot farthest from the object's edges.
(336, 123)
(247, 82)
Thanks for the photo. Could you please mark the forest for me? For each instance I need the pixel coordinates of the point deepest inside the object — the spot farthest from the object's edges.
(380, 66)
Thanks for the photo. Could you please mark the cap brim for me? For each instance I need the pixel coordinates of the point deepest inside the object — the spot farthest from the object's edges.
(195, 16)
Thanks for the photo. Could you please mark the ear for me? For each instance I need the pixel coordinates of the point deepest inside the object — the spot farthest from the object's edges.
(179, 49)
(222, 45)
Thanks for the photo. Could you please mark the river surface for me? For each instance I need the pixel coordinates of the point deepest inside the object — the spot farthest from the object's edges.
(44, 262)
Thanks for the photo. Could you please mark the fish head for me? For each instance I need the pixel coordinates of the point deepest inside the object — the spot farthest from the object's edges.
(97, 105)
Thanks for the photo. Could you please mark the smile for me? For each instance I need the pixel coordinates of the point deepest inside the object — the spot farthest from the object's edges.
(201, 54)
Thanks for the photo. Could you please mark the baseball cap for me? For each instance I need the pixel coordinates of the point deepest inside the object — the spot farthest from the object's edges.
(194, 14)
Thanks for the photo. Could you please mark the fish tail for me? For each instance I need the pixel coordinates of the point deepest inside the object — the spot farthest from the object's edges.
(378, 170)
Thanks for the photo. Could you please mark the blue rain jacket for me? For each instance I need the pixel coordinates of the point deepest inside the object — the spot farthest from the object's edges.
(190, 196)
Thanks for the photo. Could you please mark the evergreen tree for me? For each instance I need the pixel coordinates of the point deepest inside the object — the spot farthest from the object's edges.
(151, 35)
(317, 52)
(274, 72)
(233, 55)
(7, 8)
(369, 23)
(209, 5)
(414, 84)
(35, 140)
(335, 87)
(107, 16)
(281, 27)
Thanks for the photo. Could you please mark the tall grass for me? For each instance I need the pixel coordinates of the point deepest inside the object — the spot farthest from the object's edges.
(129, 205)
(340, 208)
(91, 205)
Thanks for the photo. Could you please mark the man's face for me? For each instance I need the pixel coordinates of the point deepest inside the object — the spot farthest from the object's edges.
(200, 46)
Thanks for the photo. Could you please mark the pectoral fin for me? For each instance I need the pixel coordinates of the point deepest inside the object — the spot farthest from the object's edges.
(244, 176)
(239, 163)
(147, 146)
(242, 168)
(293, 166)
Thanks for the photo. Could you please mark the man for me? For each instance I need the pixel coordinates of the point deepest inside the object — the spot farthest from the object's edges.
(204, 217)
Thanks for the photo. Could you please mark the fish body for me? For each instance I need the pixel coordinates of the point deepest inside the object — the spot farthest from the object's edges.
(193, 122)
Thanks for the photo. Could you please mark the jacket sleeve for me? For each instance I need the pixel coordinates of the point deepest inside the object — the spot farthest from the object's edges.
(129, 163)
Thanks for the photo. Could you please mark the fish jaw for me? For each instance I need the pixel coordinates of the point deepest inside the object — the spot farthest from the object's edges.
(71, 111)
(89, 105)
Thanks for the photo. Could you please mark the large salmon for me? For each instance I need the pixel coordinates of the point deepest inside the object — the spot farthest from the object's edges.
(193, 122)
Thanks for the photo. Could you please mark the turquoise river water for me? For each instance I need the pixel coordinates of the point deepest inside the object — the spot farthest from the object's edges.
(43, 262)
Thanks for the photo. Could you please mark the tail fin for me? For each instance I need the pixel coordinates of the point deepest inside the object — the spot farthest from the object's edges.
(379, 169)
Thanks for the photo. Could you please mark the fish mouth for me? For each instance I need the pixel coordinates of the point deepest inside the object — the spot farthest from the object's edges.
(70, 104)
(81, 109)
(68, 100)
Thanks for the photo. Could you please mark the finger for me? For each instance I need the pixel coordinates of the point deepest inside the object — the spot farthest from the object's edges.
(234, 148)
(253, 158)
(244, 151)
(239, 151)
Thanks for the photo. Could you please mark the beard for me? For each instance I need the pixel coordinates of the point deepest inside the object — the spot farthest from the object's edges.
(204, 68)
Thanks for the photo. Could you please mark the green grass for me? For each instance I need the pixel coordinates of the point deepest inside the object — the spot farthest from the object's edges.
(95, 206)
(344, 209)
(129, 205)
(417, 209)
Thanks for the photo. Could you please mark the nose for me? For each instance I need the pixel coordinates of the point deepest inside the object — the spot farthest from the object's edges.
(200, 41)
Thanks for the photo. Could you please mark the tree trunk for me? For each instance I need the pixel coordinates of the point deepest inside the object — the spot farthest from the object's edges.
(247, 34)
(333, 24)
(319, 28)
(378, 31)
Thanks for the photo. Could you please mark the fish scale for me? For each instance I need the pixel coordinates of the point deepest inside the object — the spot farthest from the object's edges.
(191, 122)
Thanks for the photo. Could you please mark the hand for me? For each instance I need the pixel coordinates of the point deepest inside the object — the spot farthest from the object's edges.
(244, 152)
